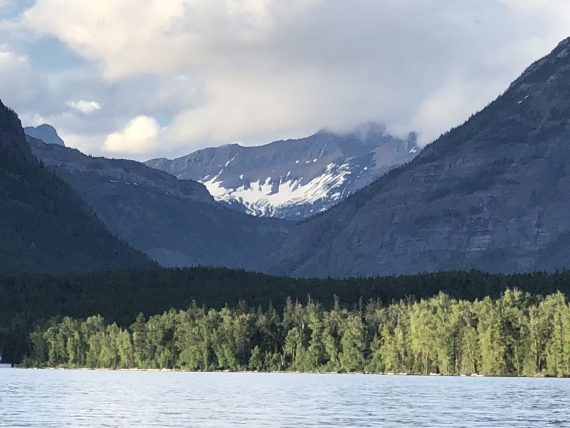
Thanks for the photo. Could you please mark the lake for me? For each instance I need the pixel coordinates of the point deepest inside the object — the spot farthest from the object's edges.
(83, 398)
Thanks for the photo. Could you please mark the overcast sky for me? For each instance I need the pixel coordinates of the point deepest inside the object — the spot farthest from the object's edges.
(141, 79)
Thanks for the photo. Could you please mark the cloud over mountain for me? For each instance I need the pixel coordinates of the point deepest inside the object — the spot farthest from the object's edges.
(215, 71)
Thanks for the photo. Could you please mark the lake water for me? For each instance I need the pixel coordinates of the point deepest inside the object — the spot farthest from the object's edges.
(59, 398)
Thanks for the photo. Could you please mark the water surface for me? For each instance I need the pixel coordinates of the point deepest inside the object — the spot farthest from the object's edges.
(83, 398)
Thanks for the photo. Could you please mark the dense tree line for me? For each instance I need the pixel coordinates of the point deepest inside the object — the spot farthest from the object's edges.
(517, 334)
(120, 296)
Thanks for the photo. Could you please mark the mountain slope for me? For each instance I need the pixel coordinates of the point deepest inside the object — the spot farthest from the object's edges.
(45, 132)
(45, 226)
(294, 178)
(492, 194)
(175, 222)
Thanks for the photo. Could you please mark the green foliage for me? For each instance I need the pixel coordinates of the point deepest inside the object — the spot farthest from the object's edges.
(517, 334)
(120, 296)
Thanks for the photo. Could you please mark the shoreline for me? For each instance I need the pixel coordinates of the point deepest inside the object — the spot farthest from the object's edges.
(387, 374)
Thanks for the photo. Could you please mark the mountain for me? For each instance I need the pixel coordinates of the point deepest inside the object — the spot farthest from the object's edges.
(295, 178)
(45, 226)
(492, 194)
(175, 222)
(46, 133)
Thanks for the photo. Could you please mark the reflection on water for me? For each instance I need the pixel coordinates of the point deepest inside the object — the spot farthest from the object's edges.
(57, 398)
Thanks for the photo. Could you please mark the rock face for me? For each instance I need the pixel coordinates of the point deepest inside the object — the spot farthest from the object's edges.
(46, 133)
(492, 194)
(175, 222)
(45, 226)
(296, 178)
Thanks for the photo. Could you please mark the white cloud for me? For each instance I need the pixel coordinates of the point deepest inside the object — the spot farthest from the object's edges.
(20, 85)
(84, 107)
(138, 137)
(257, 70)
(85, 143)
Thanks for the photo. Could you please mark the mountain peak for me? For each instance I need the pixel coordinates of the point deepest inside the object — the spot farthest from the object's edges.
(491, 194)
(9, 121)
(365, 132)
(45, 133)
(547, 68)
(294, 178)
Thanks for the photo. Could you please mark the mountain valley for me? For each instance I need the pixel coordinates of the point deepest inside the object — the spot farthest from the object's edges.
(175, 222)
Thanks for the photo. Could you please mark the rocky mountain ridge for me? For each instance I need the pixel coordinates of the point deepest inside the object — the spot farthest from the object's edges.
(294, 179)
(492, 194)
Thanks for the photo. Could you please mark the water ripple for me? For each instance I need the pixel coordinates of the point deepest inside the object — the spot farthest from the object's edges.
(57, 398)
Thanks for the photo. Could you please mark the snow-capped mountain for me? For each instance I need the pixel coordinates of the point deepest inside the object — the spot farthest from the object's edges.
(294, 178)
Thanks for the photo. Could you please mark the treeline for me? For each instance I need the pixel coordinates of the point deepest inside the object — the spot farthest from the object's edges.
(517, 334)
(120, 296)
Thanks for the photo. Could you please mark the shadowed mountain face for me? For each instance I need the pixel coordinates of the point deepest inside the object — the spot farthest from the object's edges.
(175, 222)
(492, 194)
(46, 133)
(45, 226)
(296, 178)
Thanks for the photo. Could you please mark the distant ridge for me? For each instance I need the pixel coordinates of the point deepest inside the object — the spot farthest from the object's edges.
(175, 222)
(46, 133)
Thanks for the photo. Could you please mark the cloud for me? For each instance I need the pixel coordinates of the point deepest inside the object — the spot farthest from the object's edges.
(20, 85)
(136, 138)
(84, 107)
(216, 71)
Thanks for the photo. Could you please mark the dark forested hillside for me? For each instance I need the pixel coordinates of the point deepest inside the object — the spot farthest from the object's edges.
(45, 226)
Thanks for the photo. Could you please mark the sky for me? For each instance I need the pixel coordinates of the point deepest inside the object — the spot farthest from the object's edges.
(162, 78)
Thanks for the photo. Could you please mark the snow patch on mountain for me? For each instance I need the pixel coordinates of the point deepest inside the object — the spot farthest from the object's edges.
(270, 197)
